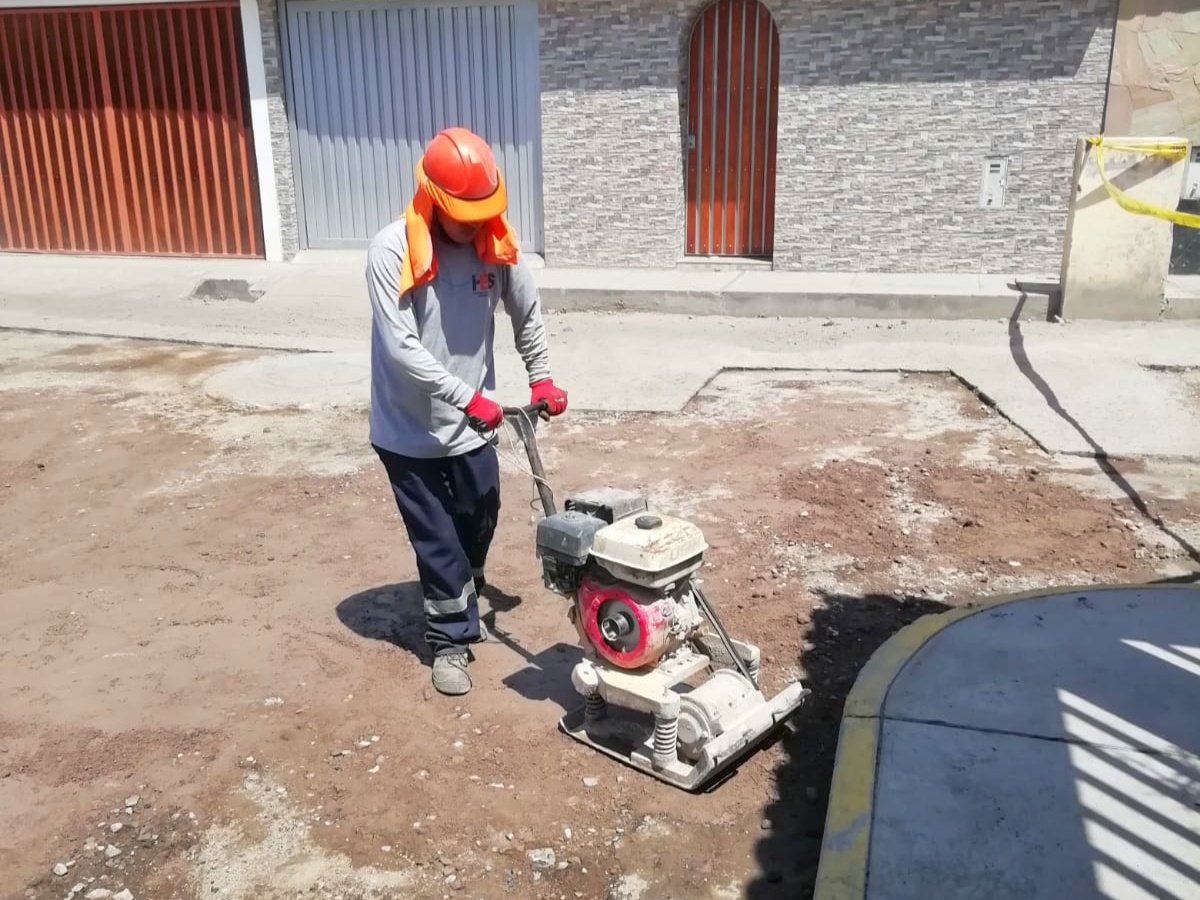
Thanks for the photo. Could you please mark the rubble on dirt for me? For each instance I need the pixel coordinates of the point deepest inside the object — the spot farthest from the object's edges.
(628, 887)
(229, 865)
(222, 548)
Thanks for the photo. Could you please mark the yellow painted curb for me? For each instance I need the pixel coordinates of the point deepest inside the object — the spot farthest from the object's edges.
(846, 846)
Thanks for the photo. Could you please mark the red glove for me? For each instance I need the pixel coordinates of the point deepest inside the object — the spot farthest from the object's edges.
(554, 396)
(483, 414)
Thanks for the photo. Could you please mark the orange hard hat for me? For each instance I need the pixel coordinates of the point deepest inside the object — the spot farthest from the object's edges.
(461, 173)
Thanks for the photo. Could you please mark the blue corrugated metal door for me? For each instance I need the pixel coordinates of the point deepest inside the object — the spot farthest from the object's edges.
(370, 83)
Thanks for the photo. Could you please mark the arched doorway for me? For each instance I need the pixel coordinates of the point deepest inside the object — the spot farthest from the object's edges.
(732, 112)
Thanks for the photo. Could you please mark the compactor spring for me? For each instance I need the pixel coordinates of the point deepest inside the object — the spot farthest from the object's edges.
(666, 740)
(594, 707)
(753, 668)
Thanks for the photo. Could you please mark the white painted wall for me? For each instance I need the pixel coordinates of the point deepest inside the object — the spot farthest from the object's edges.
(1115, 262)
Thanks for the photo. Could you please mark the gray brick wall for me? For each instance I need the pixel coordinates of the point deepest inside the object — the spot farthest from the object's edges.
(611, 152)
(281, 141)
(886, 114)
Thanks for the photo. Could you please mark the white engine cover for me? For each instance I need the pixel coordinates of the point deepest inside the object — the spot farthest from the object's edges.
(650, 550)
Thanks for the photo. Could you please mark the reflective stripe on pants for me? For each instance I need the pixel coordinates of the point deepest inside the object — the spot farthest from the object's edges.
(449, 606)
(450, 507)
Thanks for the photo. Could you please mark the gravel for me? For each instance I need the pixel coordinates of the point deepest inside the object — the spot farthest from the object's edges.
(542, 859)
(60, 869)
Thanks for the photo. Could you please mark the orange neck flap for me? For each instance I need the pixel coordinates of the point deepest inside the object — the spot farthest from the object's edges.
(495, 243)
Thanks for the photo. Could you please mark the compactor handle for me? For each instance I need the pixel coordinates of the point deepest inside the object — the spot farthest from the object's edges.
(541, 408)
(524, 421)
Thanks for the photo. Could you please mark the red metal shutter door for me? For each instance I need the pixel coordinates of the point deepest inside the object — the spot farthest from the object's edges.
(126, 130)
(733, 101)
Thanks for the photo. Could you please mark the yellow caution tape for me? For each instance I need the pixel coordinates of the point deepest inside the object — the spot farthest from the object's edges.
(1173, 149)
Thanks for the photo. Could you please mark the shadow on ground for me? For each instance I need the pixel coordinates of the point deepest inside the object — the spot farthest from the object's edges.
(844, 634)
(1020, 355)
(546, 675)
(393, 613)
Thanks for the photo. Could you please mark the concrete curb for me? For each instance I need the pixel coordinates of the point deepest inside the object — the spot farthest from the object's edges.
(846, 847)
(1182, 298)
(820, 295)
(796, 305)
(320, 281)
(1181, 308)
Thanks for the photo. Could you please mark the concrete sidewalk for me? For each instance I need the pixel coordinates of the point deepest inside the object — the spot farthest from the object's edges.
(695, 289)
(1040, 747)
(1092, 388)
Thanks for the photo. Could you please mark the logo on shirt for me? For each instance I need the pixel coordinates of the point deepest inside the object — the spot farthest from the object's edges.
(484, 283)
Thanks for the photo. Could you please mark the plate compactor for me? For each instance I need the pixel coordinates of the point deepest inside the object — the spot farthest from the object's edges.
(665, 688)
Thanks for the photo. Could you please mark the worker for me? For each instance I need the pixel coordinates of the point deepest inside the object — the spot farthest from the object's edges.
(435, 278)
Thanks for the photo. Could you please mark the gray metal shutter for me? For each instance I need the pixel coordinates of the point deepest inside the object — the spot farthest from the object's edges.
(370, 83)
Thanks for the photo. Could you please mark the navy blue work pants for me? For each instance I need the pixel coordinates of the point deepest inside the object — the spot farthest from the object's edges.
(450, 507)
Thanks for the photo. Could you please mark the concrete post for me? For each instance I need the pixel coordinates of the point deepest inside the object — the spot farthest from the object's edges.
(1115, 262)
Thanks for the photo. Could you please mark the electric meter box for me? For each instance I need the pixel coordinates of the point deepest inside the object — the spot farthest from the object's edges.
(1191, 175)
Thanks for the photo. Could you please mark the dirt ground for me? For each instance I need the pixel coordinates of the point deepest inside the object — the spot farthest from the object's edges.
(212, 612)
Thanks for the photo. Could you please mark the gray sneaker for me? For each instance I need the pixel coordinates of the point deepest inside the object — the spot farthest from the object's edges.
(450, 674)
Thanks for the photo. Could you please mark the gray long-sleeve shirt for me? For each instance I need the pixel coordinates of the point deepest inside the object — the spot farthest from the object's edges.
(432, 349)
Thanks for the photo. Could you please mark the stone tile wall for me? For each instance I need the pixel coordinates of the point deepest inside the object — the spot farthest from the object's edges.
(611, 151)
(887, 113)
(281, 141)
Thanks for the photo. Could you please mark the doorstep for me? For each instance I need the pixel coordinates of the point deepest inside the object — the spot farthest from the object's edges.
(1182, 299)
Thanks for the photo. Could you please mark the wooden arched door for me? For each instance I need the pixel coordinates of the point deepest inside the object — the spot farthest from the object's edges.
(732, 113)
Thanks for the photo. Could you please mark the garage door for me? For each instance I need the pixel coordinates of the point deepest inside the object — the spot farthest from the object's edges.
(369, 85)
(126, 130)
